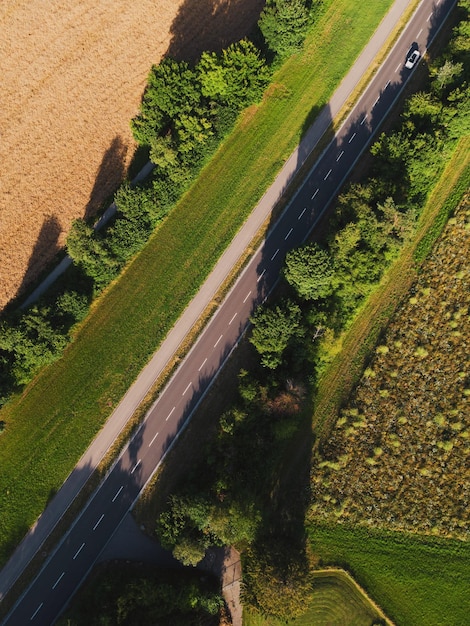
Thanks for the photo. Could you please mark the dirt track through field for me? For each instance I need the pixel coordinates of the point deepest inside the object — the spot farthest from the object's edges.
(71, 77)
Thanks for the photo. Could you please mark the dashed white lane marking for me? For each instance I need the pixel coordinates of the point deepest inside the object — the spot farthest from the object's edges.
(136, 466)
(202, 364)
(299, 218)
(153, 439)
(329, 172)
(78, 551)
(235, 314)
(246, 297)
(363, 119)
(387, 84)
(36, 612)
(352, 137)
(58, 580)
(98, 522)
(419, 33)
(119, 491)
(429, 17)
(339, 156)
(376, 100)
(171, 412)
(288, 234)
(315, 194)
(261, 275)
(217, 342)
(189, 384)
(397, 68)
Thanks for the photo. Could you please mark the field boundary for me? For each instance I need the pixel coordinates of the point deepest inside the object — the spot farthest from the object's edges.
(350, 580)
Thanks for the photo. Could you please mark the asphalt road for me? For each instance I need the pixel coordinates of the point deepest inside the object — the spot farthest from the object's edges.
(67, 567)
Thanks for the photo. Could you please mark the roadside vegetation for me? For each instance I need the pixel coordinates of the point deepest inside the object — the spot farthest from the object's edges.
(138, 595)
(49, 424)
(236, 492)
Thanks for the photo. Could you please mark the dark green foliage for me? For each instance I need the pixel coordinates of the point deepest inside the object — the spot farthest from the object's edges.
(89, 250)
(237, 77)
(171, 91)
(277, 579)
(194, 522)
(181, 104)
(309, 270)
(139, 595)
(31, 344)
(32, 339)
(274, 329)
(284, 24)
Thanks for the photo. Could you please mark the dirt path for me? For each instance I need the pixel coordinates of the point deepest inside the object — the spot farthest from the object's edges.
(71, 78)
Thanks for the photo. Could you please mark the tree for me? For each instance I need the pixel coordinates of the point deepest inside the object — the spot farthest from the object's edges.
(248, 75)
(278, 580)
(90, 252)
(309, 270)
(446, 75)
(273, 331)
(173, 89)
(284, 25)
(236, 78)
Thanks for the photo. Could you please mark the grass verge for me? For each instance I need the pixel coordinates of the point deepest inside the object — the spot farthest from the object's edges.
(52, 422)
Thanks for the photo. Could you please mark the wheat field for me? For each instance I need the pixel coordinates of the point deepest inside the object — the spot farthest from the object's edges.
(72, 73)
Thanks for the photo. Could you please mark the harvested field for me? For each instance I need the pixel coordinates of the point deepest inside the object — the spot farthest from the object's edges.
(71, 77)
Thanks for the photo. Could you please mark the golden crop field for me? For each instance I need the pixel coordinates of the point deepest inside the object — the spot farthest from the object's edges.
(72, 73)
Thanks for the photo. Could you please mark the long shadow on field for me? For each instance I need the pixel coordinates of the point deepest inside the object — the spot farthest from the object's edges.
(45, 248)
(211, 25)
(109, 175)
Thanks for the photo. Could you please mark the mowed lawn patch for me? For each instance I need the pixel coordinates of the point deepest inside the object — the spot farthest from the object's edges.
(416, 581)
(53, 421)
(335, 601)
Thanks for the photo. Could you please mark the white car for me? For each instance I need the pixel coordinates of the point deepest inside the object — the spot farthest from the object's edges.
(412, 59)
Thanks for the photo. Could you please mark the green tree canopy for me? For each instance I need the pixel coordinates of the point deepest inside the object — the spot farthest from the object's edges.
(237, 77)
(273, 331)
(284, 25)
(172, 90)
(309, 270)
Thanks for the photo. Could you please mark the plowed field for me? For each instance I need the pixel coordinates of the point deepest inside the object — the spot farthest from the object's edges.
(71, 77)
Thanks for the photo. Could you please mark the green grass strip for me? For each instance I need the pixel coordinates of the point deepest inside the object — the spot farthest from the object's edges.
(417, 581)
(56, 417)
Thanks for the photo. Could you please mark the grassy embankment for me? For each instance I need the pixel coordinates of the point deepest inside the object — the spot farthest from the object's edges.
(53, 421)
